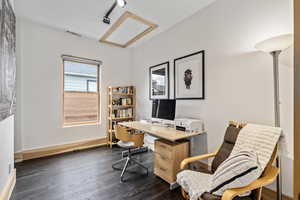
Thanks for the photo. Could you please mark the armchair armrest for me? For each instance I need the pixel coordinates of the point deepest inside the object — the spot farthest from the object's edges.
(269, 177)
(186, 161)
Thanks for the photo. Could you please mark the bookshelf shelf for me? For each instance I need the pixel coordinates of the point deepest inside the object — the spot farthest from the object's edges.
(121, 107)
(120, 118)
(123, 94)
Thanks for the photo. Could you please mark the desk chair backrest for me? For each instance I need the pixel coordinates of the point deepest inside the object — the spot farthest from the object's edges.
(230, 137)
(123, 134)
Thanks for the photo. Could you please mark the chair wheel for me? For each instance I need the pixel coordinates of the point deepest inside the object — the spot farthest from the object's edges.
(122, 180)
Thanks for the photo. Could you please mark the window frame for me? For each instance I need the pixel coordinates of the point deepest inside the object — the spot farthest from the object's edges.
(88, 82)
(95, 63)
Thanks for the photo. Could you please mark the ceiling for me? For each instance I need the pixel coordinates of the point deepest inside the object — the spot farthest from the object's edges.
(85, 16)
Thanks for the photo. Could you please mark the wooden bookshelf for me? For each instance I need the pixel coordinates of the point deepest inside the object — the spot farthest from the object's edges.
(121, 108)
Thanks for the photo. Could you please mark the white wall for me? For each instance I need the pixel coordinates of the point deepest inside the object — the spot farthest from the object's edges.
(39, 117)
(6, 146)
(239, 80)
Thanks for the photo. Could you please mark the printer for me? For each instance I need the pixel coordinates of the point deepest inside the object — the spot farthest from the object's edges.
(189, 125)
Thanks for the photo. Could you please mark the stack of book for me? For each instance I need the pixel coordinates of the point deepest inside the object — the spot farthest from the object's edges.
(122, 102)
(124, 113)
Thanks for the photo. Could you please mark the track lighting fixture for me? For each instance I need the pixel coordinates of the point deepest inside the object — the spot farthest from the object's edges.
(120, 3)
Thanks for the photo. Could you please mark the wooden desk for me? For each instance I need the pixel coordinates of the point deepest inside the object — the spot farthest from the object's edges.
(160, 131)
(169, 151)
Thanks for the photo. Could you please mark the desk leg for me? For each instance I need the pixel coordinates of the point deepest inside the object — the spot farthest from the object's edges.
(198, 145)
(191, 145)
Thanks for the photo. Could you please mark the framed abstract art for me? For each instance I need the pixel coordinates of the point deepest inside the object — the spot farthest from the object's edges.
(189, 76)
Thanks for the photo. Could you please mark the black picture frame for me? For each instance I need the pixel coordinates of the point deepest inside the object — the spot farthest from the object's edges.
(167, 82)
(202, 97)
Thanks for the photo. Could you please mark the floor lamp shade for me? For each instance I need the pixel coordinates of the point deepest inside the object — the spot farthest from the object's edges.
(278, 43)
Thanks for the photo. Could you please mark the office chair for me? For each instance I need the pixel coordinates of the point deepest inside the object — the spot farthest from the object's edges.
(128, 141)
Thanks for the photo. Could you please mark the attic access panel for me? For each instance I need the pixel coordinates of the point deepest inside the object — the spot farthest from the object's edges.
(127, 29)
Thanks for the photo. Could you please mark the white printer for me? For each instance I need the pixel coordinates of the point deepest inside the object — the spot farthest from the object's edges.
(188, 124)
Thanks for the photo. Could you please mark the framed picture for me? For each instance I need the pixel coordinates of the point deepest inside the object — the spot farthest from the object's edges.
(8, 60)
(189, 76)
(159, 81)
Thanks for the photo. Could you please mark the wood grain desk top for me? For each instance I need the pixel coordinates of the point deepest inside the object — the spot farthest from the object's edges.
(160, 131)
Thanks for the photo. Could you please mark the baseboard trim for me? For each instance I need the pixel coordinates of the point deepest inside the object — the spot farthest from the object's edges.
(18, 157)
(58, 149)
(9, 187)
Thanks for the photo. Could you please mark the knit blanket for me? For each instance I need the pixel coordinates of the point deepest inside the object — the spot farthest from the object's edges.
(260, 139)
(196, 183)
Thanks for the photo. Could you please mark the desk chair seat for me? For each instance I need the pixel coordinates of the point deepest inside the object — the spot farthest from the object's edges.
(128, 141)
(126, 145)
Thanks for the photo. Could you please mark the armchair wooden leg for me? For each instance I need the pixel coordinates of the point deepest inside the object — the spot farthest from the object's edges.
(259, 191)
(184, 194)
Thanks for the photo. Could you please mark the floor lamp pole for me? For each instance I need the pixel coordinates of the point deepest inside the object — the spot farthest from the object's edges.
(275, 55)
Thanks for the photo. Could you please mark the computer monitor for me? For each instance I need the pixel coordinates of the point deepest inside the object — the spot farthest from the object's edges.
(163, 109)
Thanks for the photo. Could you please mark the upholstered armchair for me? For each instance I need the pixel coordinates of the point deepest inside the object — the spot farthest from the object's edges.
(269, 175)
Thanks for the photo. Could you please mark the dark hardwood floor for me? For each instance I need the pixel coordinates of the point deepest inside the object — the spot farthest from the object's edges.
(88, 175)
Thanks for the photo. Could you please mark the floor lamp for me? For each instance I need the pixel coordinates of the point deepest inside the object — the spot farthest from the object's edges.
(275, 46)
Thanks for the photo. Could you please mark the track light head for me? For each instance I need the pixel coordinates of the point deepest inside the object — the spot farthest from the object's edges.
(121, 3)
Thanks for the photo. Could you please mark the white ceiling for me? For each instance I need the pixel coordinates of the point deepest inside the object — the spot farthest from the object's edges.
(85, 16)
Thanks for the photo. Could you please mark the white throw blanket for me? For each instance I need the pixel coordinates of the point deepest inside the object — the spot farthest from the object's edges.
(260, 139)
(195, 183)
(257, 138)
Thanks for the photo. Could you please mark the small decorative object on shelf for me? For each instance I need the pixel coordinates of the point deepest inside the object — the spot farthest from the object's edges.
(121, 107)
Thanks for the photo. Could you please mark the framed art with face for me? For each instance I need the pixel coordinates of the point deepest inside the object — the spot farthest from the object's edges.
(159, 81)
(189, 76)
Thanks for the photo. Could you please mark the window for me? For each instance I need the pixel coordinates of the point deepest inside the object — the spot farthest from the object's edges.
(81, 96)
